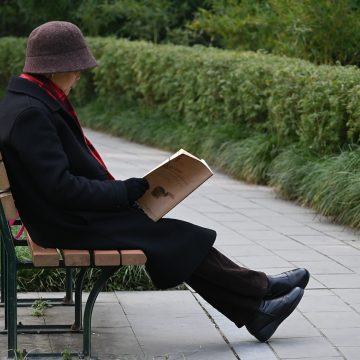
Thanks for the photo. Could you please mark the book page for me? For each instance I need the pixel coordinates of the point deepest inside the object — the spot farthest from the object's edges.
(171, 182)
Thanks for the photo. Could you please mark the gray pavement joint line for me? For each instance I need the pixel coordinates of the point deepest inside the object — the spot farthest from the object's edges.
(127, 319)
(217, 327)
(324, 336)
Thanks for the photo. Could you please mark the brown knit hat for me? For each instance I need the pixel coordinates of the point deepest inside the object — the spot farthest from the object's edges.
(57, 46)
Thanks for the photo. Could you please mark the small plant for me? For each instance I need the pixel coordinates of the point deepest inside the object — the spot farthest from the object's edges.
(39, 307)
(65, 355)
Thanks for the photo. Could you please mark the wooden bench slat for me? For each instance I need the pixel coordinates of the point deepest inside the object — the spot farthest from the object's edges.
(107, 258)
(8, 204)
(42, 256)
(76, 257)
(132, 257)
(4, 181)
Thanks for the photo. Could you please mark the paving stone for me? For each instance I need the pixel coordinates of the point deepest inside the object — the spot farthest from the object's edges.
(323, 267)
(301, 255)
(319, 239)
(350, 296)
(285, 244)
(348, 261)
(296, 326)
(245, 250)
(299, 348)
(343, 336)
(345, 234)
(299, 230)
(245, 225)
(232, 239)
(326, 226)
(338, 281)
(31, 343)
(255, 262)
(254, 351)
(353, 243)
(350, 352)
(314, 284)
(321, 301)
(261, 214)
(106, 343)
(226, 216)
(337, 250)
(280, 222)
(162, 336)
(164, 302)
(334, 320)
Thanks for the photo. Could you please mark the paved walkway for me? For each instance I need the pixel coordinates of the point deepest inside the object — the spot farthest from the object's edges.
(256, 229)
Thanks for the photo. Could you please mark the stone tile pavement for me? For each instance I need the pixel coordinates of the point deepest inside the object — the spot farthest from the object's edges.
(256, 229)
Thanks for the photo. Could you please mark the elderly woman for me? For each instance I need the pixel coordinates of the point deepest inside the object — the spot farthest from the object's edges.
(67, 198)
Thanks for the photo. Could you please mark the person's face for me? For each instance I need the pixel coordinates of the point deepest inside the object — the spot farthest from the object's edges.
(66, 81)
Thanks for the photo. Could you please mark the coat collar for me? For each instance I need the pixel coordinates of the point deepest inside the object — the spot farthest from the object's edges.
(23, 86)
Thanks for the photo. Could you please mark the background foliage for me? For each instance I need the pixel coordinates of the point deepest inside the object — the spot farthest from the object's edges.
(322, 31)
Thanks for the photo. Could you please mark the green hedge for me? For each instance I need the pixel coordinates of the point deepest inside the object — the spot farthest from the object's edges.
(291, 99)
(259, 117)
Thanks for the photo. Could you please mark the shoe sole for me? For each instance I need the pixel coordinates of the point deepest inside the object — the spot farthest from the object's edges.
(271, 328)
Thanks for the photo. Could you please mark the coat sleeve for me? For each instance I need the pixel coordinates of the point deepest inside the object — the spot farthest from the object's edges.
(35, 140)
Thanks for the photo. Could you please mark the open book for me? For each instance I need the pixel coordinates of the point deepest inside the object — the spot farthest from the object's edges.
(171, 182)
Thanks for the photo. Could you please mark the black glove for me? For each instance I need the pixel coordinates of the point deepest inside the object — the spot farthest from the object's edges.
(135, 188)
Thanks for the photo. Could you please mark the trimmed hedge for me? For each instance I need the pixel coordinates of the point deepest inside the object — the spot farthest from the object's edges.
(259, 117)
(294, 100)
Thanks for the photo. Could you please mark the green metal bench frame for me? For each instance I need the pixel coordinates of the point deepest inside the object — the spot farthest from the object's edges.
(12, 264)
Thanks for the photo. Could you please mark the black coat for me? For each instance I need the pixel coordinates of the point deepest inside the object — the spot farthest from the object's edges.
(65, 199)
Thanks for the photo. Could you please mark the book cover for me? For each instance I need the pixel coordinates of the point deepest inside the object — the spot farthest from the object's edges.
(171, 182)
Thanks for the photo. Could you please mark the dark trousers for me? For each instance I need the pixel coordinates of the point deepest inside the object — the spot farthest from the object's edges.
(235, 291)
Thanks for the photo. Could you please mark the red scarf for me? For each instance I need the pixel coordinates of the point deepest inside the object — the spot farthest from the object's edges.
(56, 93)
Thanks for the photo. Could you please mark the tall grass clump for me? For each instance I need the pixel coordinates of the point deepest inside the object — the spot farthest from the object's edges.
(248, 159)
(288, 170)
(333, 188)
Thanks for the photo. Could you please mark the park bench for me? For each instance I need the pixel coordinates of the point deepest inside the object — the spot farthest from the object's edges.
(108, 261)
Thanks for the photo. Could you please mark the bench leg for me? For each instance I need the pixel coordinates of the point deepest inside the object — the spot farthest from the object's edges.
(106, 273)
(78, 299)
(11, 308)
(4, 284)
(2, 272)
(68, 299)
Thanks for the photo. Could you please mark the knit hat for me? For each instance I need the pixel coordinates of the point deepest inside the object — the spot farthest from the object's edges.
(57, 46)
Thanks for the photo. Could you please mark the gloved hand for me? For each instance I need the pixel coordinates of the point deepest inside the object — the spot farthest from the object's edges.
(135, 188)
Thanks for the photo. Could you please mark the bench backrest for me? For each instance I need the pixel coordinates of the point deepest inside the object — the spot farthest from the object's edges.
(7, 200)
(7, 210)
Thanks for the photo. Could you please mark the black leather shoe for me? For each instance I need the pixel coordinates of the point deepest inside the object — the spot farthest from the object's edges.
(272, 313)
(282, 283)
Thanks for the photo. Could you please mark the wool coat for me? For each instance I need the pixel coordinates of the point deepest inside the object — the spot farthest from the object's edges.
(65, 199)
